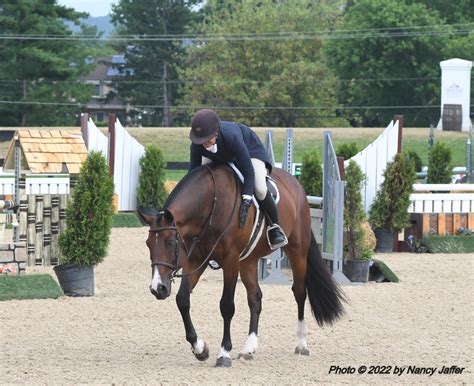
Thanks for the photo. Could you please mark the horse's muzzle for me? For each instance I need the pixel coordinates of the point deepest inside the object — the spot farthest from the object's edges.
(162, 292)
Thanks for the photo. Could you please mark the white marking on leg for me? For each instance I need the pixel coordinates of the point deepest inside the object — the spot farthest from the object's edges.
(251, 344)
(301, 333)
(156, 280)
(224, 353)
(198, 347)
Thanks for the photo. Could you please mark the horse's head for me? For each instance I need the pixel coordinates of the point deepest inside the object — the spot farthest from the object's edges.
(164, 243)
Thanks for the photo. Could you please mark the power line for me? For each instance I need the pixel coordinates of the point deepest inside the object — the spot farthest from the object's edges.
(216, 107)
(251, 34)
(241, 81)
(389, 32)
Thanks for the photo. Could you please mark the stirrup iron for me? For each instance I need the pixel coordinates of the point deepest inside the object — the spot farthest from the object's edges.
(280, 244)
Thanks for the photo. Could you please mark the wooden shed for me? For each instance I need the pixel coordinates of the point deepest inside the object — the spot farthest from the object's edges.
(48, 151)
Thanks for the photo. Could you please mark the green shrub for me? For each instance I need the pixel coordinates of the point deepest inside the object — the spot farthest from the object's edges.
(439, 164)
(354, 214)
(89, 214)
(347, 150)
(389, 209)
(312, 174)
(151, 191)
(413, 156)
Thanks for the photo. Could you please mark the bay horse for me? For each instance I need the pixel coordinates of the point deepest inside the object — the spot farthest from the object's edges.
(199, 222)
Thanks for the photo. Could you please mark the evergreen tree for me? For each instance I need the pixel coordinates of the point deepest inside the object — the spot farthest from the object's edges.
(354, 214)
(389, 209)
(151, 190)
(311, 177)
(40, 65)
(89, 214)
(152, 79)
(439, 164)
(347, 150)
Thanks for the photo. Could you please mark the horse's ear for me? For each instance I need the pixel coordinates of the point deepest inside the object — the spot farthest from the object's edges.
(147, 214)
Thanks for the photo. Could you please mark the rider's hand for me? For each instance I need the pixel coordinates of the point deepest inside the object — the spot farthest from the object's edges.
(244, 208)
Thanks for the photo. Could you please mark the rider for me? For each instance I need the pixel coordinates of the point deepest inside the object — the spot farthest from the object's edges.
(222, 141)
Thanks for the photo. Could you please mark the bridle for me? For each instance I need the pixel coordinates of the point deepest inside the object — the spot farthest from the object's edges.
(196, 240)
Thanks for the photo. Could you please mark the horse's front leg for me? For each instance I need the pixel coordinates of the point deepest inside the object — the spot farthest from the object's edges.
(249, 276)
(199, 347)
(227, 307)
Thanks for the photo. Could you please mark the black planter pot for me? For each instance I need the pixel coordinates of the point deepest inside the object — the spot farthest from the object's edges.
(384, 240)
(76, 280)
(357, 271)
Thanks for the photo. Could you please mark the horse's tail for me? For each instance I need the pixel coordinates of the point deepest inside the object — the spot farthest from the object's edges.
(324, 294)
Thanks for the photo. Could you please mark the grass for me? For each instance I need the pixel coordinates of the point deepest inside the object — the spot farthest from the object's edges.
(449, 244)
(126, 220)
(29, 287)
(174, 142)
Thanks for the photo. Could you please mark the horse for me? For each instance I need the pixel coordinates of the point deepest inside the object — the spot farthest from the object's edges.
(199, 223)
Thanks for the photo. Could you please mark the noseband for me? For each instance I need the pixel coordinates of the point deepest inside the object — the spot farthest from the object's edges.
(196, 240)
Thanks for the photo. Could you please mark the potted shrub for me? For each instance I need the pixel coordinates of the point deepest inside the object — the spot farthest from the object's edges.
(357, 249)
(311, 177)
(89, 214)
(151, 192)
(347, 150)
(439, 164)
(388, 214)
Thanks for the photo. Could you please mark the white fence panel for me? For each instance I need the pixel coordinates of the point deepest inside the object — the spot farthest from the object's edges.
(97, 140)
(126, 167)
(373, 161)
(441, 203)
(47, 184)
(7, 184)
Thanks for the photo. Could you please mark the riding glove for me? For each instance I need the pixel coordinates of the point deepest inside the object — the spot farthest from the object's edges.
(244, 208)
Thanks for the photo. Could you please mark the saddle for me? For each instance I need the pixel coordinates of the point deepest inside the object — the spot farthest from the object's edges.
(260, 218)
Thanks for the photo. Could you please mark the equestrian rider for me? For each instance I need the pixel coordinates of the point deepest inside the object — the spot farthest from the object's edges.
(222, 141)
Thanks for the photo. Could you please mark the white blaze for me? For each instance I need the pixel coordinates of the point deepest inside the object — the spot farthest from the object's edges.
(156, 280)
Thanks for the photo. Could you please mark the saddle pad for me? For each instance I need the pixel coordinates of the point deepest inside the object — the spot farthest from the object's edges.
(259, 222)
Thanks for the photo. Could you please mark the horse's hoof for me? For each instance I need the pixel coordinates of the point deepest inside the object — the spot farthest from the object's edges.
(204, 355)
(301, 351)
(224, 362)
(246, 356)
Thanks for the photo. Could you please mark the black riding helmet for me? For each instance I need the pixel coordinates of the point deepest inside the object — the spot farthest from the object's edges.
(204, 126)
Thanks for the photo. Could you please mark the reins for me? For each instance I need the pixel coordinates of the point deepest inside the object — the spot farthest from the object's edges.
(196, 240)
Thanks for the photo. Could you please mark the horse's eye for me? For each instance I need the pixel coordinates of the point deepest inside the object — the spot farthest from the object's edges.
(170, 242)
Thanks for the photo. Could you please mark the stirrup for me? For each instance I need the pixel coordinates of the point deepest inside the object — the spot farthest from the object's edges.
(280, 244)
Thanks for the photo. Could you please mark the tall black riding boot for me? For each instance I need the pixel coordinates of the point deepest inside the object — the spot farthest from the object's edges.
(276, 236)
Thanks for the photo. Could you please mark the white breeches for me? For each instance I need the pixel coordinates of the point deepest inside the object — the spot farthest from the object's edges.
(260, 175)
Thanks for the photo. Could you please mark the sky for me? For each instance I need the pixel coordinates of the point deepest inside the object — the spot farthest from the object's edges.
(93, 7)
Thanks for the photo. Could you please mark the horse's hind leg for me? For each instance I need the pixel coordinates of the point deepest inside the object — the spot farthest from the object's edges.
(249, 276)
(299, 266)
(227, 307)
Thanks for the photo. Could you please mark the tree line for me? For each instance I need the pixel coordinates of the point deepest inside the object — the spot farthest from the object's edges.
(269, 63)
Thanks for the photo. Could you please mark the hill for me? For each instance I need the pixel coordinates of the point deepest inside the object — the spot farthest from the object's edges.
(103, 24)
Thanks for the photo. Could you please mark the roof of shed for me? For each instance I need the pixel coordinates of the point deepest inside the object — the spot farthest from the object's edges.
(48, 151)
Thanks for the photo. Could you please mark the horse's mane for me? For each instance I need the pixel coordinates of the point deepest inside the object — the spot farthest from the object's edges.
(181, 184)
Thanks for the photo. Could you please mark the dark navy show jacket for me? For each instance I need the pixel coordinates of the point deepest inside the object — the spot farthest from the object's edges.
(236, 143)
